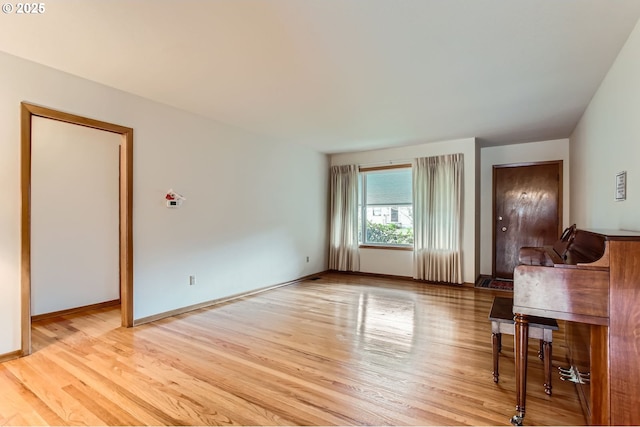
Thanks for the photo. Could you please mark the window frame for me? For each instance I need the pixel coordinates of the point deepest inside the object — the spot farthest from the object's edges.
(362, 214)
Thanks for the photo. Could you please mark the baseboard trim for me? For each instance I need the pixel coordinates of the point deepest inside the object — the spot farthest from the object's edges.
(375, 275)
(397, 277)
(10, 356)
(210, 303)
(75, 310)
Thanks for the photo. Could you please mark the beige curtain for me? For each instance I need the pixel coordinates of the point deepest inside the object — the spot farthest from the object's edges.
(343, 245)
(437, 210)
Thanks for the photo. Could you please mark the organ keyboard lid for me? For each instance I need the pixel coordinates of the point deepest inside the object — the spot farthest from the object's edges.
(611, 234)
(590, 248)
(577, 248)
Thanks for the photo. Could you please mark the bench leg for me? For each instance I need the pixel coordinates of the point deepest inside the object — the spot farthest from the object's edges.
(547, 349)
(496, 341)
(541, 351)
(521, 341)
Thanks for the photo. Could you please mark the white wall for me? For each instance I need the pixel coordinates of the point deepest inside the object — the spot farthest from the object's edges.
(256, 207)
(400, 263)
(607, 141)
(516, 153)
(74, 216)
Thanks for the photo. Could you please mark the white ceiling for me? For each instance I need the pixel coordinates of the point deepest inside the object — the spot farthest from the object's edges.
(343, 75)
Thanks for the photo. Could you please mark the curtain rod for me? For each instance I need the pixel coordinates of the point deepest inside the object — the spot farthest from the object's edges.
(386, 163)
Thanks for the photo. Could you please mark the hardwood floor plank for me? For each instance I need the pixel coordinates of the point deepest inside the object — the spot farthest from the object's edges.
(20, 406)
(119, 396)
(345, 387)
(169, 370)
(95, 403)
(341, 350)
(47, 382)
(253, 386)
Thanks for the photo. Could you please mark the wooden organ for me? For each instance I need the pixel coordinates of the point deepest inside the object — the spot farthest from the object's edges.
(591, 279)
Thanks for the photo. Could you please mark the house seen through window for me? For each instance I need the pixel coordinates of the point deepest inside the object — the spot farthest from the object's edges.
(386, 210)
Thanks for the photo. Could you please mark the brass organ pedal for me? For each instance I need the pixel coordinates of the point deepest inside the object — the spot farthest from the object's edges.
(574, 376)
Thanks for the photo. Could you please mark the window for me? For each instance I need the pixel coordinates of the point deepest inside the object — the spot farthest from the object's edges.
(394, 215)
(385, 207)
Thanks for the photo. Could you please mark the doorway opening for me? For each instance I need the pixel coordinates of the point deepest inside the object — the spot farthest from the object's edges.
(125, 194)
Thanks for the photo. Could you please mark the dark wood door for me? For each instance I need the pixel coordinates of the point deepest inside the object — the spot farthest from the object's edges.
(527, 210)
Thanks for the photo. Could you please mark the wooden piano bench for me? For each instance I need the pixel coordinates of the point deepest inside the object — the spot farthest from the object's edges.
(501, 317)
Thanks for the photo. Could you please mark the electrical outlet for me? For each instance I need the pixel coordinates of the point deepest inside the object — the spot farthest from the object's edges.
(307, 259)
(192, 280)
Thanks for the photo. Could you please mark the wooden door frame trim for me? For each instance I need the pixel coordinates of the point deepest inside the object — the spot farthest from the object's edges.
(560, 164)
(126, 210)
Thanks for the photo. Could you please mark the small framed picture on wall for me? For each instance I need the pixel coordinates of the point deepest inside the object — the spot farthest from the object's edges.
(621, 186)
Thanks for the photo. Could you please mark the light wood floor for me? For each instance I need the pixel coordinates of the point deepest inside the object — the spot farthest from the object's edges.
(345, 350)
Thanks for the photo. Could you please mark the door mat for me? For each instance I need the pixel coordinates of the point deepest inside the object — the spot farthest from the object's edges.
(490, 283)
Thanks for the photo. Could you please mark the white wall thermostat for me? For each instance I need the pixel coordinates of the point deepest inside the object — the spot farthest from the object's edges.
(174, 200)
